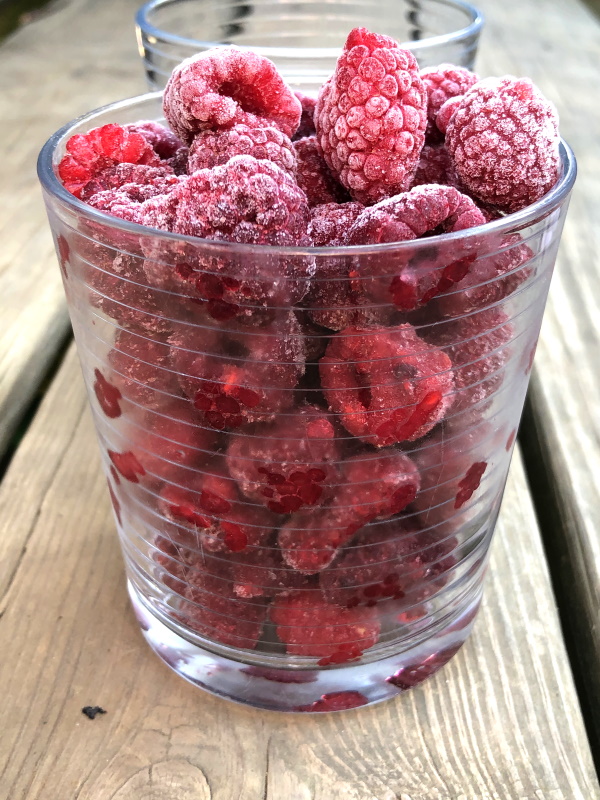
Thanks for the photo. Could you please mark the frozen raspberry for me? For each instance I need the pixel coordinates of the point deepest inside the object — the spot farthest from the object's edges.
(127, 465)
(503, 138)
(214, 148)
(336, 701)
(310, 626)
(313, 175)
(210, 506)
(163, 141)
(108, 395)
(289, 463)
(89, 154)
(138, 181)
(224, 87)
(141, 369)
(490, 278)
(411, 676)
(307, 120)
(212, 610)
(445, 113)
(435, 166)
(428, 209)
(330, 222)
(389, 561)
(117, 203)
(179, 161)
(387, 385)
(477, 347)
(261, 572)
(249, 378)
(172, 443)
(374, 486)
(442, 83)
(371, 117)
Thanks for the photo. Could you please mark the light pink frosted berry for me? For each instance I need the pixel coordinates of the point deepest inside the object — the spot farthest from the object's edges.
(371, 117)
(442, 83)
(503, 138)
(224, 87)
(212, 148)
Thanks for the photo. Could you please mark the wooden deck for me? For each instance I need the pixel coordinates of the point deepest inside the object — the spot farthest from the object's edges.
(515, 715)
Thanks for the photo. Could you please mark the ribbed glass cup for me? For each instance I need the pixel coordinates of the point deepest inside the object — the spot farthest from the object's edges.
(305, 506)
(305, 39)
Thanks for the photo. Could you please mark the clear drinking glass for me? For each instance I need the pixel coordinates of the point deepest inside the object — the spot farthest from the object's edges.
(280, 553)
(305, 39)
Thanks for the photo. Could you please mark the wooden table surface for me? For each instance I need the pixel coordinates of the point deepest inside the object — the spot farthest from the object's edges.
(515, 715)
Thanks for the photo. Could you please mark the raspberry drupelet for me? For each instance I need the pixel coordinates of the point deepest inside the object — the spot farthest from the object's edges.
(89, 154)
(214, 148)
(386, 384)
(442, 83)
(503, 138)
(224, 87)
(289, 463)
(371, 116)
(310, 626)
(313, 175)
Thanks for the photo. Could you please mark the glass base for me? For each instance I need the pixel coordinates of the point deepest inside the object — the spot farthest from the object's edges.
(278, 688)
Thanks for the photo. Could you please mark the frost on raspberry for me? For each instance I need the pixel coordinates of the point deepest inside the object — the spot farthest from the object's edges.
(435, 166)
(141, 369)
(88, 154)
(386, 384)
(261, 572)
(163, 141)
(330, 222)
(442, 83)
(371, 116)
(289, 463)
(224, 87)
(138, 182)
(249, 378)
(307, 120)
(503, 138)
(310, 626)
(372, 486)
(313, 175)
(214, 148)
(412, 277)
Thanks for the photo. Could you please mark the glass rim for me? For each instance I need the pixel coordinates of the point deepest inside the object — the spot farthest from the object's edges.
(509, 223)
(143, 24)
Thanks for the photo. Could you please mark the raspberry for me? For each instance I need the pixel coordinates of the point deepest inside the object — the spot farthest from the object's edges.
(371, 116)
(117, 203)
(213, 148)
(476, 345)
(309, 626)
(171, 443)
(411, 676)
(127, 465)
(371, 487)
(313, 175)
(163, 141)
(503, 138)
(435, 166)
(224, 87)
(108, 395)
(391, 561)
(387, 385)
(138, 181)
(330, 222)
(307, 120)
(210, 506)
(442, 83)
(89, 154)
(141, 369)
(289, 463)
(445, 113)
(179, 161)
(336, 701)
(248, 378)
(261, 572)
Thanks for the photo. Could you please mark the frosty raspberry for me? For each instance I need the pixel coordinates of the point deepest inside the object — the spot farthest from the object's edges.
(442, 83)
(213, 148)
(313, 175)
(371, 116)
(163, 141)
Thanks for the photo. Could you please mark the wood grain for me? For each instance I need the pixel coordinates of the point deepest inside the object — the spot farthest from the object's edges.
(501, 721)
(77, 56)
(563, 433)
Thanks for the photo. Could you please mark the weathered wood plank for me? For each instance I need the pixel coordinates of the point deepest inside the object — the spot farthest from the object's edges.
(501, 721)
(563, 438)
(79, 55)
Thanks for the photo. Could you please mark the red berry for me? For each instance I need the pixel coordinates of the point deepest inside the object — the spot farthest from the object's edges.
(336, 701)
(127, 465)
(224, 87)
(445, 113)
(503, 138)
(261, 572)
(313, 175)
(90, 153)
(163, 141)
(435, 166)
(309, 626)
(307, 120)
(108, 395)
(289, 463)
(387, 385)
(137, 181)
(330, 222)
(470, 483)
(442, 83)
(371, 116)
(411, 676)
(213, 148)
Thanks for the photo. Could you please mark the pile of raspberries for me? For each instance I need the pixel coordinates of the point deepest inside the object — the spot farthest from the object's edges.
(299, 450)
